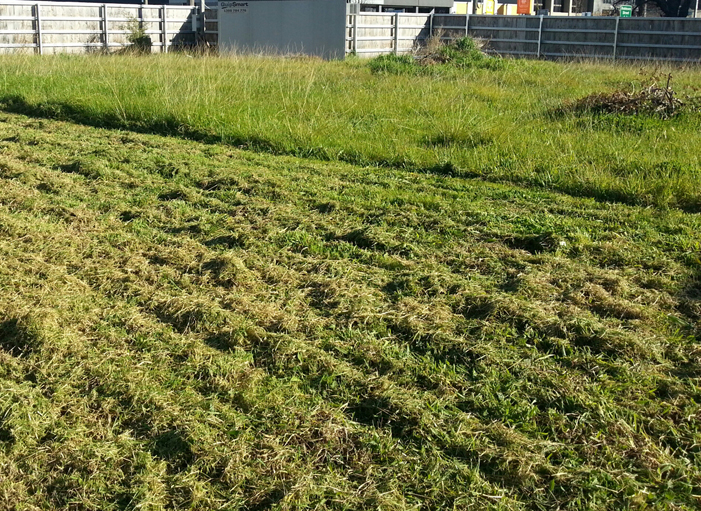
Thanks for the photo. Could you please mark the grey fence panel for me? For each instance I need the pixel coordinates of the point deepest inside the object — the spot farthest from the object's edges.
(513, 35)
(585, 37)
(61, 27)
(672, 39)
(18, 28)
(661, 37)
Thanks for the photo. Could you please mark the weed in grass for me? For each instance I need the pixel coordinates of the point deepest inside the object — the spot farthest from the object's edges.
(393, 64)
(437, 58)
(140, 42)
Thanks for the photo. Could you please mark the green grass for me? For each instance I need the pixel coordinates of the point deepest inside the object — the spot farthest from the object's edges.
(496, 124)
(439, 59)
(188, 325)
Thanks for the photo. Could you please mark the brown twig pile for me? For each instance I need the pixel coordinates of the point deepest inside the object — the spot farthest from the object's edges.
(652, 99)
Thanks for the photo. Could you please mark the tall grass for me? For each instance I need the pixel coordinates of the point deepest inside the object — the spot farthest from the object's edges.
(489, 123)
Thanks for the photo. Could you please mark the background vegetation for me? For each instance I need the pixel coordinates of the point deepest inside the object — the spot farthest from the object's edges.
(188, 325)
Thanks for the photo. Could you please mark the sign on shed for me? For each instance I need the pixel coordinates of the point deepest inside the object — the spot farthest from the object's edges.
(309, 27)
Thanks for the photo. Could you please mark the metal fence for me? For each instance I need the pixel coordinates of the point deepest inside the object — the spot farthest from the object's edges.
(51, 27)
(671, 39)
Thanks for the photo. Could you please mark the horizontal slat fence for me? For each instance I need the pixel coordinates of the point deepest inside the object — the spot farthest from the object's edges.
(381, 33)
(53, 27)
(671, 39)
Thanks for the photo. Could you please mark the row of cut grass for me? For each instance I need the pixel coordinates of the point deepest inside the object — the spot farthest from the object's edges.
(497, 124)
(191, 326)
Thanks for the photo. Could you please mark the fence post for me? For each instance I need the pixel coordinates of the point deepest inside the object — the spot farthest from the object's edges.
(430, 26)
(467, 25)
(615, 38)
(40, 43)
(164, 30)
(540, 34)
(203, 8)
(105, 33)
(355, 33)
(141, 16)
(202, 16)
(194, 18)
(396, 33)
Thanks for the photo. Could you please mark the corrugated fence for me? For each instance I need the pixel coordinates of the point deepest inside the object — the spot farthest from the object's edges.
(672, 39)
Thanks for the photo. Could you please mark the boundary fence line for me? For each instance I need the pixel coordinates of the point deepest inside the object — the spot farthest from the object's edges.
(669, 39)
(50, 27)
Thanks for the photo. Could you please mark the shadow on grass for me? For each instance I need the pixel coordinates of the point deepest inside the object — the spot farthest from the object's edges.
(689, 306)
(172, 127)
(226, 242)
(166, 126)
(19, 337)
(174, 448)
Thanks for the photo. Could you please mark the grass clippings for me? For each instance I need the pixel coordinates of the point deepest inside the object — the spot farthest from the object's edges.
(194, 326)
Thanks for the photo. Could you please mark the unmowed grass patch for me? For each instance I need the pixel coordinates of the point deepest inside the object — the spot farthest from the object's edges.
(439, 59)
(193, 326)
(342, 111)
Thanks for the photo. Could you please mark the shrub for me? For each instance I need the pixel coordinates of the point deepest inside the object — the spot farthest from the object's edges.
(466, 53)
(139, 40)
(393, 64)
(436, 57)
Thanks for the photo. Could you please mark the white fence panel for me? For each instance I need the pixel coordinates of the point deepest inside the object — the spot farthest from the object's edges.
(58, 27)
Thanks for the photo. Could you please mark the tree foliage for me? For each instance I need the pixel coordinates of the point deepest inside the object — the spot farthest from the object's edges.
(673, 8)
(667, 8)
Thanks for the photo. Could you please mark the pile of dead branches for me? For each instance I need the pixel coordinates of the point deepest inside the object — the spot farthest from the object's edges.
(652, 99)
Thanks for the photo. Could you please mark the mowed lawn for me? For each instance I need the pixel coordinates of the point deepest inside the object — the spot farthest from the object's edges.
(189, 324)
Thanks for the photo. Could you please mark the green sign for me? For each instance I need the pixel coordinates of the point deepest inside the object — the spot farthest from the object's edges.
(626, 11)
